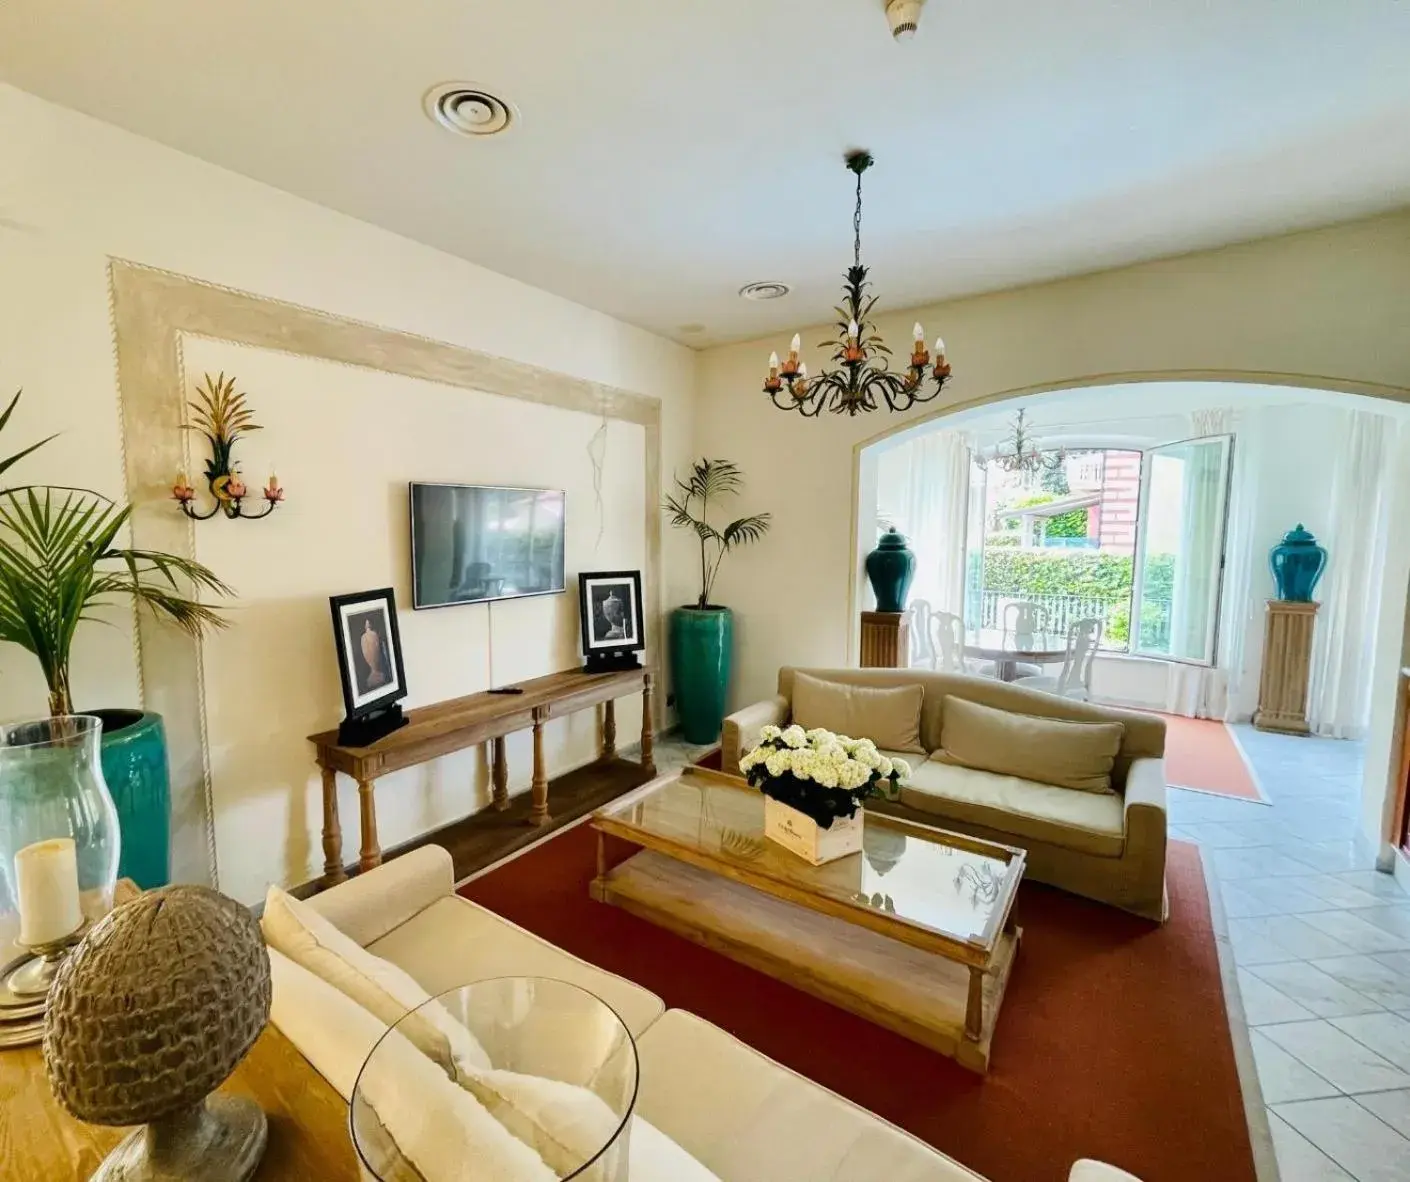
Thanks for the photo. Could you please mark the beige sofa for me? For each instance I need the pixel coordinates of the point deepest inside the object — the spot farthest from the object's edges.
(1102, 846)
(742, 1116)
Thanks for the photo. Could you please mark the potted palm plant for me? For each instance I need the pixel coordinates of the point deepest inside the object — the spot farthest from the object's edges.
(702, 633)
(61, 559)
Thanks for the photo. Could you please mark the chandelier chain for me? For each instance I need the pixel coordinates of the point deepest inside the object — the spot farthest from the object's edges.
(857, 226)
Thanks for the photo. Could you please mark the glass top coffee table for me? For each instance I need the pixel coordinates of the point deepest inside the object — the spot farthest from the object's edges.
(912, 933)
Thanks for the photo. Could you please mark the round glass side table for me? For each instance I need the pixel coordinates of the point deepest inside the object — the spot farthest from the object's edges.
(487, 1071)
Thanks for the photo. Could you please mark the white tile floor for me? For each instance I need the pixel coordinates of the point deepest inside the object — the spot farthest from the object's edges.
(1322, 947)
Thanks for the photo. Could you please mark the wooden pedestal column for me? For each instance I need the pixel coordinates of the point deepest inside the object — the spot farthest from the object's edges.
(886, 640)
(1287, 665)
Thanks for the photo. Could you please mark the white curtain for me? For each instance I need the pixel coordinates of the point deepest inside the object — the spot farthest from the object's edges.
(926, 496)
(1343, 644)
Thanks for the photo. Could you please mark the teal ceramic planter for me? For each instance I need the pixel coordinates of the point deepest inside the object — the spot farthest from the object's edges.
(702, 649)
(135, 767)
(890, 568)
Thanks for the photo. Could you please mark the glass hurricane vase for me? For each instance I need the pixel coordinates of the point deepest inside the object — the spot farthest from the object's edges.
(532, 1067)
(57, 823)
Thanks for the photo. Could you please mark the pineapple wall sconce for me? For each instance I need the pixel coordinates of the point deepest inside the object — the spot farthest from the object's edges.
(221, 415)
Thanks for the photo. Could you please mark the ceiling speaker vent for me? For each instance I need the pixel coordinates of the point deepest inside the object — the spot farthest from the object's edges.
(468, 110)
(768, 290)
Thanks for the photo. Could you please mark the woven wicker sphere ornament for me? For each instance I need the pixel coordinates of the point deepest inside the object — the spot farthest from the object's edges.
(148, 1016)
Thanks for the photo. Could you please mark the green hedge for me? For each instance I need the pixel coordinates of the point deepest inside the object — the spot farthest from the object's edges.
(1093, 573)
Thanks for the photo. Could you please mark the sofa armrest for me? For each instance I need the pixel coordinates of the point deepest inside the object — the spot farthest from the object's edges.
(369, 906)
(740, 732)
(1145, 796)
(1087, 1170)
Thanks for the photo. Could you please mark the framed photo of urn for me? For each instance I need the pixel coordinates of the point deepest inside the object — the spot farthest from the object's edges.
(610, 607)
(369, 650)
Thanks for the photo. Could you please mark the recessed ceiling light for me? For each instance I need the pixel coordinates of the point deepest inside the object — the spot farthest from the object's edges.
(769, 289)
(467, 109)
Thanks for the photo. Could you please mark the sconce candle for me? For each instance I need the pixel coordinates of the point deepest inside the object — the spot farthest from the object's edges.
(46, 881)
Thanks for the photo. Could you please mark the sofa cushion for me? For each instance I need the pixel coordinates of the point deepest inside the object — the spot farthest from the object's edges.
(888, 717)
(432, 1124)
(1077, 755)
(454, 941)
(380, 987)
(1089, 822)
(749, 1119)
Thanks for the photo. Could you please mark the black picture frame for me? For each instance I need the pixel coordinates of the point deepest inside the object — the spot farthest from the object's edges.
(611, 635)
(373, 676)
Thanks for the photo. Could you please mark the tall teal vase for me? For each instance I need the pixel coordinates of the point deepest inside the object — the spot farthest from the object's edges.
(135, 767)
(891, 567)
(702, 649)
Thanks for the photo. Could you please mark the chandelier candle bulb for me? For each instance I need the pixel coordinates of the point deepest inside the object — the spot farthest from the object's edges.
(46, 882)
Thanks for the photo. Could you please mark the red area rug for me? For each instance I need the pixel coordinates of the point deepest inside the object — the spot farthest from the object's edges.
(1113, 1042)
(1203, 754)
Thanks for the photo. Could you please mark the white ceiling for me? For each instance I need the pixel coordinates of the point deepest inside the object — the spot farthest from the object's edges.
(671, 151)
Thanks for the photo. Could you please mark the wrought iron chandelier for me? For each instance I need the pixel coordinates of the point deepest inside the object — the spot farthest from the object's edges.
(863, 379)
(1024, 454)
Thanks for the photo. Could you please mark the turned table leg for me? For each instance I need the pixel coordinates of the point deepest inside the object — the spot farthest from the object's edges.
(371, 851)
(648, 735)
(500, 775)
(609, 730)
(538, 811)
(333, 872)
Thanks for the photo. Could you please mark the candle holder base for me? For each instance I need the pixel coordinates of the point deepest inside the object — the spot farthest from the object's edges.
(24, 990)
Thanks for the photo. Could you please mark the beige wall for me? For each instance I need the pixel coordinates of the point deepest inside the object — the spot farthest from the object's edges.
(76, 192)
(1326, 308)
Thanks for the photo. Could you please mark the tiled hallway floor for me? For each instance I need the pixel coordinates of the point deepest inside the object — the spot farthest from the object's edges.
(1321, 942)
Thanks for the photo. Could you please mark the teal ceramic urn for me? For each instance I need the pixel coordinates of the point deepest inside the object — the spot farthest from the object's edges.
(135, 767)
(1297, 563)
(890, 569)
(702, 650)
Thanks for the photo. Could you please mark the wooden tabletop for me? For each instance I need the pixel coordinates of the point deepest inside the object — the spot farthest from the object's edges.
(556, 692)
(308, 1120)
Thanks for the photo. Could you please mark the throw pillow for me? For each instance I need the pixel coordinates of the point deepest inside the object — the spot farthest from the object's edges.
(563, 1123)
(380, 987)
(1077, 755)
(889, 717)
(436, 1127)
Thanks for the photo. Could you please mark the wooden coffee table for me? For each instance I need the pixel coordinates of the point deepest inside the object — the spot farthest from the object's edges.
(913, 933)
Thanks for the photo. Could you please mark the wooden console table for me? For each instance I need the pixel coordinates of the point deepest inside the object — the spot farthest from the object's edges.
(447, 727)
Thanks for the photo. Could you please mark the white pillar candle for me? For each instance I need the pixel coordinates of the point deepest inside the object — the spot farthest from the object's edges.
(46, 875)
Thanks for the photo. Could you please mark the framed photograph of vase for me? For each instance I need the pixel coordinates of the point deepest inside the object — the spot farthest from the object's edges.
(612, 618)
(368, 644)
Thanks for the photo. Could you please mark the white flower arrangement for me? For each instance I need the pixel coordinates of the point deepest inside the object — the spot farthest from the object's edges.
(792, 764)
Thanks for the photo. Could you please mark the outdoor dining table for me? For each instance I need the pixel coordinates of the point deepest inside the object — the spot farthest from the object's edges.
(1008, 649)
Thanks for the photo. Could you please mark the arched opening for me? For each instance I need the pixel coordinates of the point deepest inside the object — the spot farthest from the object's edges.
(1104, 524)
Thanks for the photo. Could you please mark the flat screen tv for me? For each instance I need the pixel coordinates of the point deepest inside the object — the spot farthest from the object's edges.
(471, 543)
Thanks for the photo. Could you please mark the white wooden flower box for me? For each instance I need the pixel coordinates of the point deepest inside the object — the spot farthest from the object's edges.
(800, 834)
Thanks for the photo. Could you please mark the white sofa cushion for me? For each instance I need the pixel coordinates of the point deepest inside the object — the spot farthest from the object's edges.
(749, 1119)
(456, 942)
(1089, 822)
(383, 989)
(654, 1157)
